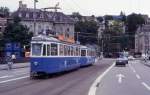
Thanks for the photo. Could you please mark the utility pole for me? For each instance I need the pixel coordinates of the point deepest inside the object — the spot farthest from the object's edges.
(34, 17)
(55, 8)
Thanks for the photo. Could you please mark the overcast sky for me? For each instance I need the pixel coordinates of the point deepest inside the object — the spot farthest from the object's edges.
(88, 7)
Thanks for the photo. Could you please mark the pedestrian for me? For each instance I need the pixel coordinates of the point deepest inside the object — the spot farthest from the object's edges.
(13, 57)
(9, 62)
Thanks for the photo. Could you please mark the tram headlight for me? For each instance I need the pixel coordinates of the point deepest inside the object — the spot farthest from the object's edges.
(35, 63)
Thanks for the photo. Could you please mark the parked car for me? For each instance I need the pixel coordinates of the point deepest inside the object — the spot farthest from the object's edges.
(122, 61)
(131, 58)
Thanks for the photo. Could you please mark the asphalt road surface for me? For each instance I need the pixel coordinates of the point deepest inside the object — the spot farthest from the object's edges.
(134, 79)
(17, 82)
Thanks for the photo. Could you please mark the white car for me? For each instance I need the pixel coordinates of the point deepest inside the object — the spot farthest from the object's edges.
(131, 58)
(122, 61)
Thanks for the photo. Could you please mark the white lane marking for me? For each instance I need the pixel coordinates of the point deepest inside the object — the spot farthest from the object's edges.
(132, 68)
(120, 76)
(13, 79)
(20, 72)
(5, 77)
(93, 88)
(146, 86)
(138, 77)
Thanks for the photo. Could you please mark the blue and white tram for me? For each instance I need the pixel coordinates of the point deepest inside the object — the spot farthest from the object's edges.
(49, 55)
(87, 56)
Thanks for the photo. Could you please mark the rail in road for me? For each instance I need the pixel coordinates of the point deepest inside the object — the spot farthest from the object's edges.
(76, 82)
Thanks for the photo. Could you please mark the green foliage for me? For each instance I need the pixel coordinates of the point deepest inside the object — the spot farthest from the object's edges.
(16, 32)
(133, 22)
(100, 19)
(76, 14)
(88, 31)
(4, 11)
(108, 17)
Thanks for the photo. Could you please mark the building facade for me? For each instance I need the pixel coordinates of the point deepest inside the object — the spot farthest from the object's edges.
(3, 23)
(54, 23)
(142, 39)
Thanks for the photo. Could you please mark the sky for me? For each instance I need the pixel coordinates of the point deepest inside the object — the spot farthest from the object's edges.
(88, 7)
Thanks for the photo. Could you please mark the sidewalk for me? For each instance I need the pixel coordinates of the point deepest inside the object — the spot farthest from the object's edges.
(147, 63)
(15, 66)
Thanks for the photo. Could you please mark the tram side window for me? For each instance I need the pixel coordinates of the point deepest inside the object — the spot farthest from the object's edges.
(77, 51)
(54, 49)
(61, 50)
(83, 52)
(65, 50)
(71, 51)
(44, 50)
(48, 50)
(74, 51)
(36, 49)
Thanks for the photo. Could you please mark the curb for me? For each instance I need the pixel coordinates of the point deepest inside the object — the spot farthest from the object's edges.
(147, 65)
(14, 67)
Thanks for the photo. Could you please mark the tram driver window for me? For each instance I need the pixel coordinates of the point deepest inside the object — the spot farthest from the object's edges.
(54, 49)
(36, 49)
(83, 52)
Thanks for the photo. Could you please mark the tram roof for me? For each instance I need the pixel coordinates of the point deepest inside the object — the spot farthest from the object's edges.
(44, 38)
(84, 47)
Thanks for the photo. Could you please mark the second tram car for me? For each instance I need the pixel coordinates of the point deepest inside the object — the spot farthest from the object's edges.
(50, 55)
(87, 56)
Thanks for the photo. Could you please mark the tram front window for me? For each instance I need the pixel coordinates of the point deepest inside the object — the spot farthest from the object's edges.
(83, 52)
(36, 49)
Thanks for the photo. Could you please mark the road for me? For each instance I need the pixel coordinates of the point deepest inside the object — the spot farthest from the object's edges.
(17, 81)
(134, 79)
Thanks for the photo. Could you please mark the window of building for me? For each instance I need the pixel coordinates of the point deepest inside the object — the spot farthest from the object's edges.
(67, 29)
(30, 26)
(41, 15)
(20, 14)
(39, 26)
(54, 49)
(27, 15)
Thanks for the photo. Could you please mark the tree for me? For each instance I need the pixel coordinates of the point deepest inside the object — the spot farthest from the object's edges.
(16, 32)
(108, 17)
(133, 22)
(123, 17)
(4, 11)
(76, 14)
(100, 19)
(88, 32)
